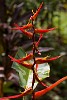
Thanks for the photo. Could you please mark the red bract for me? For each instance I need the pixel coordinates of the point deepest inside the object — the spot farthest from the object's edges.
(28, 57)
(23, 63)
(37, 12)
(44, 91)
(22, 27)
(44, 30)
(29, 34)
(27, 26)
(37, 43)
(18, 95)
(37, 60)
(44, 60)
(36, 67)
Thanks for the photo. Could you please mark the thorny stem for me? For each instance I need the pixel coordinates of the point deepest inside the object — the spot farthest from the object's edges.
(34, 48)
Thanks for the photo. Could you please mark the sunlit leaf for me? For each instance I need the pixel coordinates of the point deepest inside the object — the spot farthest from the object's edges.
(43, 70)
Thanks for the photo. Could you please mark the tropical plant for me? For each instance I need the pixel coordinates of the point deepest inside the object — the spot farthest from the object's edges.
(32, 68)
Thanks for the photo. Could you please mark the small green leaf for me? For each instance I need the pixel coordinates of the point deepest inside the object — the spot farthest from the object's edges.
(43, 70)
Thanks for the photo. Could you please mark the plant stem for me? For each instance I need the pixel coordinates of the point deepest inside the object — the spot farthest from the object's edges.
(33, 38)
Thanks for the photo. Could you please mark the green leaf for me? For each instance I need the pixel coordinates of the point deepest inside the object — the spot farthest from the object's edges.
(26, 75)
(30, 78)
(22, 71)
(43, 70)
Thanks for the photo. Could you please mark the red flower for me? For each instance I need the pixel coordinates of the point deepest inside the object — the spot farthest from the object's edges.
(37, 12)
(44, 30)
(22, 27)
(28, 65)
(44, 91)
(27, 26)
(37, 43)
(44, 60)
(28, 57)
(27, 91)
(29, 34)
(23, 63)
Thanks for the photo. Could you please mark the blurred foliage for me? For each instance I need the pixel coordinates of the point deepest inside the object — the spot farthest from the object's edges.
(53, 14)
